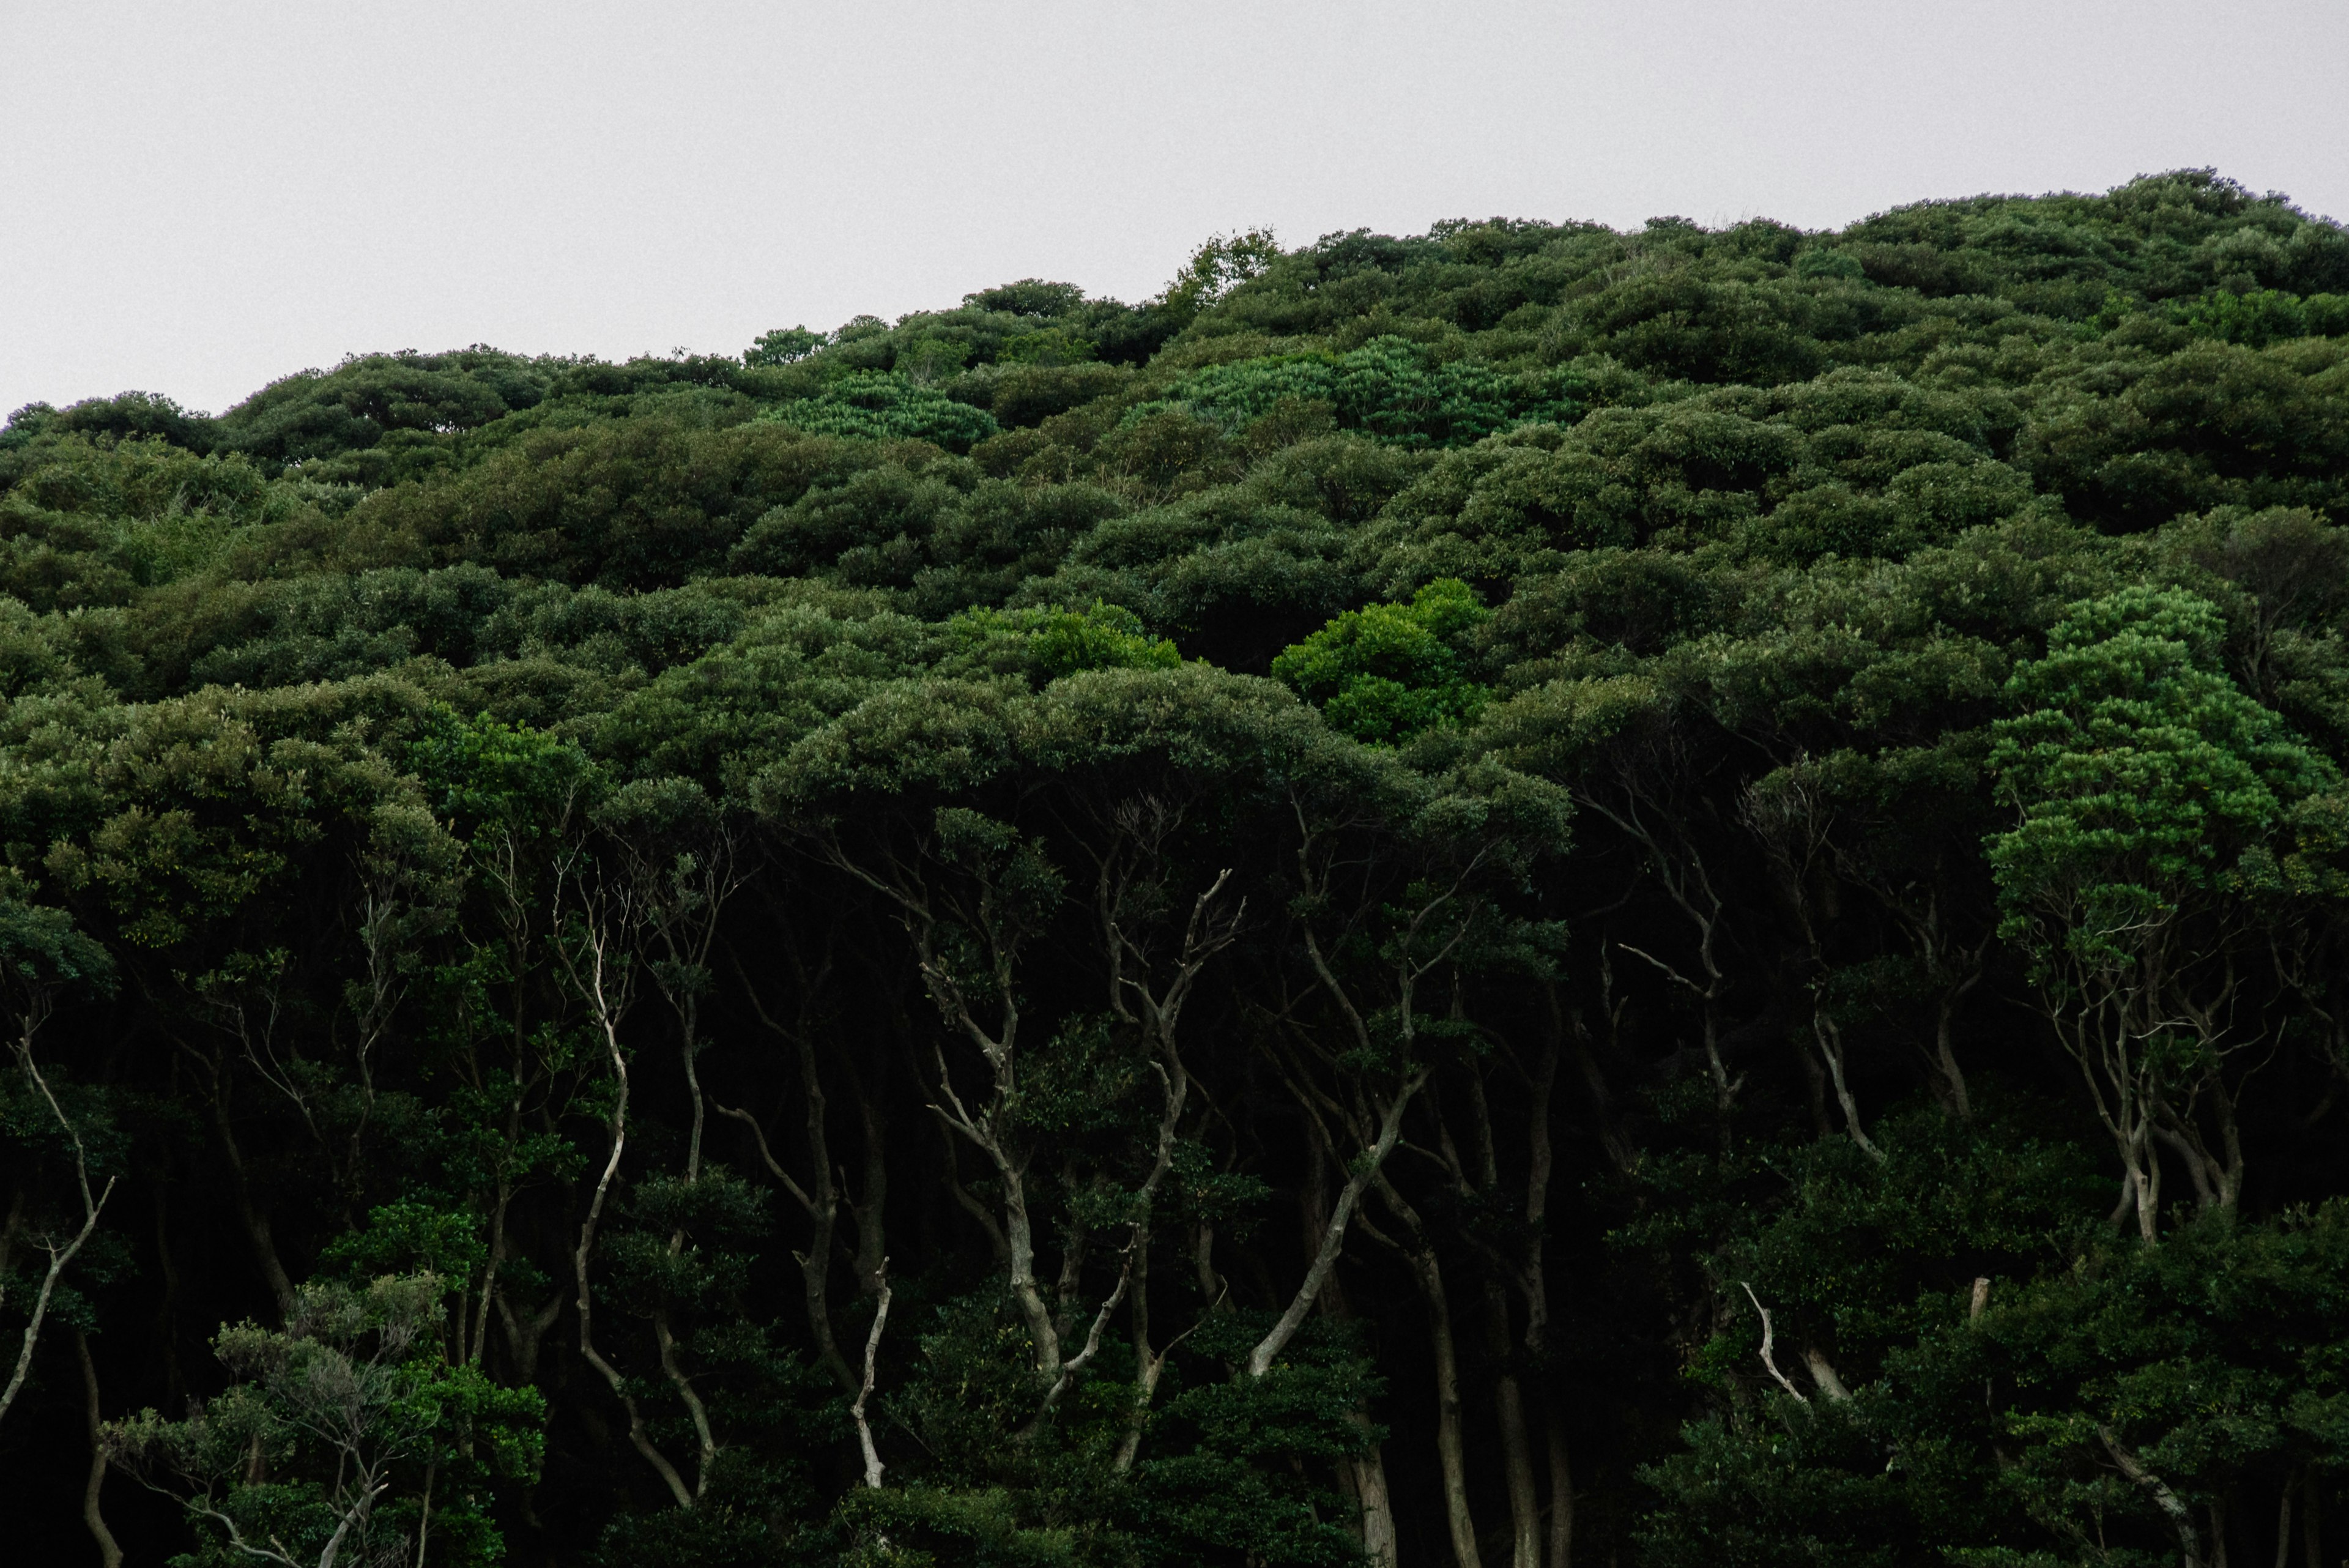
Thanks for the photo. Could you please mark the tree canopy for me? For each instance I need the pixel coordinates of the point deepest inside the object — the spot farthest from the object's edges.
(1674, 896)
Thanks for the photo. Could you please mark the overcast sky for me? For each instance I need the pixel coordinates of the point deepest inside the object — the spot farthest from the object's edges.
(196, 199)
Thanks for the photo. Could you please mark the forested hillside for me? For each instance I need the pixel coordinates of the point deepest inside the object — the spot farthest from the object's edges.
(1520, 896)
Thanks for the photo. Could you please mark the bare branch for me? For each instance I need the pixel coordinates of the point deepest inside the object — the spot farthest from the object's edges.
(1768, 1339)
(61, 1255)
(872, 1465)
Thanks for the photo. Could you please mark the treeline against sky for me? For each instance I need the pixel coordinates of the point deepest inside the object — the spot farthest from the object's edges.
(1522, 895)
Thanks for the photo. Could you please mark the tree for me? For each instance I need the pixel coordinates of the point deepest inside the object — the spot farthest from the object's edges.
(784, 346)
(2149, 789)
(41, 953)
(1384, 673)
(957, 939)
(341, 1432)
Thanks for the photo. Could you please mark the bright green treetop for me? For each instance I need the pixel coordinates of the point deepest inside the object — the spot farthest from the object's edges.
(2141, 773)
(1387, 672)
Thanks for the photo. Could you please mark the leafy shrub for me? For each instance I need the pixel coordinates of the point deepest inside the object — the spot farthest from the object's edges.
(882, 405)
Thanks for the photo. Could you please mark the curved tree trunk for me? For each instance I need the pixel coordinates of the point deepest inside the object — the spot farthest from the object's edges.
(108, 1551)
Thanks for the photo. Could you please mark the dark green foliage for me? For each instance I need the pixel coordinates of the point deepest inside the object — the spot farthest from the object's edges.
(2210, 1363)
(782, 346)
(635, 502)
(320, 414)
(1255, 928)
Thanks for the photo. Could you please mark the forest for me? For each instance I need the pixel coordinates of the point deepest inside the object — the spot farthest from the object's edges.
(1523, 896)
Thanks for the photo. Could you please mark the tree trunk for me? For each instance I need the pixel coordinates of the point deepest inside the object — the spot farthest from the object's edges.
(255, 1222)
(1364, 1474)
(1324, 1257)
(1516, 1446)
(1814, 1088)
(1449, 1451)
(1561, 1494)
(1367, 1474)
(1952, 1079)
(869, 1204)
(1540, 1161)
(820, 1198)
(108, 1551)
(2181, 1521)
(823, 1209)
(1524, 1504)
(1148, 1365)
(1508, 1395)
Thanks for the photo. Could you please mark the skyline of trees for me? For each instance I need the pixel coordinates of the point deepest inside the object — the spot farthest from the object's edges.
(1519, 894)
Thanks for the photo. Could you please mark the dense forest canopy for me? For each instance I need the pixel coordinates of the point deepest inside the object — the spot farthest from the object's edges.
(1517, 895)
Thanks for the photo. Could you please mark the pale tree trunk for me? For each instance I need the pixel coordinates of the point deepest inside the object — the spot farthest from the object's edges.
(61, 1252)
(1951, 1077)
(1332, 1240)
(1956, 968)
(605, 980)
(1149, 1365)
(870, 1203)
(526, 1329)
(2217, 1173)
(498, 1206)
(2103, 1040)
(872, 1465)
(1364, 1475)
(1791, 823)
(991, 1125)
(998, 1047)
(525, 1334)
(503, 874)
(2108, 1013)
(2181, 1521)
(1158, 1015)
(684, 918)
(1376, 1127)
(1131, 863)
(1830, 1038)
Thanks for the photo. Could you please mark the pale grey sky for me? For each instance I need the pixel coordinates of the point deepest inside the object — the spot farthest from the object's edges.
(195, 199)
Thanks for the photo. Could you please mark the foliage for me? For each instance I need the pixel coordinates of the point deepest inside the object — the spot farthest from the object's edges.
(1390, 387)
(348, 1436)
(2139, 770)
(877, 405)
(1255, 928)
(1385, 672)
